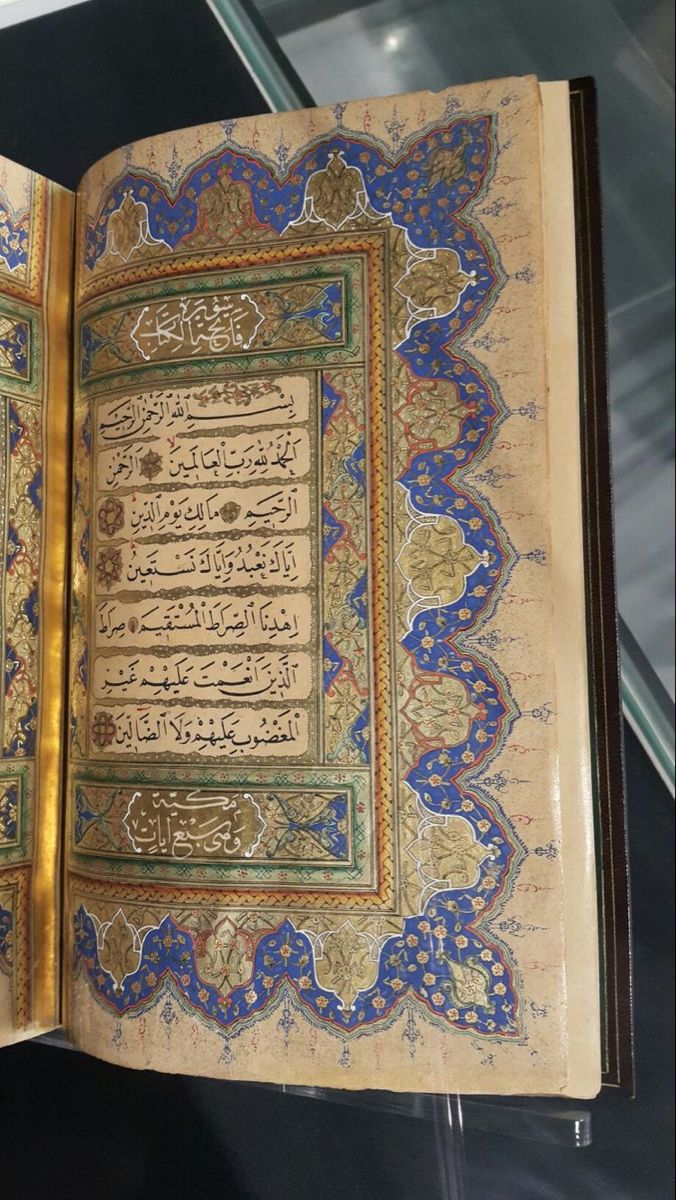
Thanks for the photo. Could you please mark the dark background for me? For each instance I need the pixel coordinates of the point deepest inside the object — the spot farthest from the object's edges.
(72, 87)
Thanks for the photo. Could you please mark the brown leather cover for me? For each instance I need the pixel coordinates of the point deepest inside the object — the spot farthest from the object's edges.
(602, 632)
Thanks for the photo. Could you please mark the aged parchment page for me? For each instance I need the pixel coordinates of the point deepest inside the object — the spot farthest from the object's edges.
(36, 227)
(319, 827)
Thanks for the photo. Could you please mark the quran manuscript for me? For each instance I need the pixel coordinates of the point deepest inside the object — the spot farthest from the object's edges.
(308, 720)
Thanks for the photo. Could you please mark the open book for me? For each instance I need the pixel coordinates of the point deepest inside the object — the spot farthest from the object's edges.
(300, 599)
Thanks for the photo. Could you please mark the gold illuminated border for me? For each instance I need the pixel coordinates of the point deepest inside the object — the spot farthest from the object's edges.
(381, 896)
(52, 655)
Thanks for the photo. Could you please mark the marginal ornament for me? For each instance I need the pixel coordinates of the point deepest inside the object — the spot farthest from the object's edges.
(225, 955)
(346, 964)
(128, 229)
(442, 711)
(436, 561)
(433, 284)
(120, 947)
(336, 194)
(447, 853)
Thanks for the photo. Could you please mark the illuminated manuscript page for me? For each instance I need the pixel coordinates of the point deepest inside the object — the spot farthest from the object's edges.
(318, 829)
(35, 259)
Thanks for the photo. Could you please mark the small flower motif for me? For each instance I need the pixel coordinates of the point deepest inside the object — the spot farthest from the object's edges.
(427, 642)
(488, 884)
(435, 780)
(111, 516)
(439, 930)
(475, 523)
(424, 926)
(466, 667)
(481, 736)
(285, 951)
(151, 979)
(251, 996)
(109, 566)
(268, 981)
(500, 989)
(483, 826)
(322, 1002)
(304, 982)
(437, 998)
(461, 942)
(378, 1003)
(471, 1017)
(422, 957)
(478, 903)
(485, 956)
(467, 756)
(479, 686)
(203, 995)
(185, 980)
(411, 940)
(480, 590)
(396, 985)
(498, 969)
(429, 979)
(464, 614)
(136, 987)
(103, 729)
(460, 503)
(452, 1014)
(467, 806)
(150, 465)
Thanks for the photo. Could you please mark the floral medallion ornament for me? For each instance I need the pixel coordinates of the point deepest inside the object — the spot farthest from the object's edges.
(103, 730)
(108, 566)
(436, 561)
(150, 465)
(111, 516)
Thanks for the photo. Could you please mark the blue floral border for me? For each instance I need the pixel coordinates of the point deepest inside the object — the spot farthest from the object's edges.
(422, 958)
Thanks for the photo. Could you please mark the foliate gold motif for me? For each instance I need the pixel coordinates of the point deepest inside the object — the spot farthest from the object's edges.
(346, 965)
(335, 194)
(224, 211)
(436, 561)
(434, 412)
(447, 853)
(442, 711)
(119, 945)
(433, 285)
(471, 984)
(447, 164)
(128, 229)
(225, 955)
